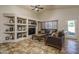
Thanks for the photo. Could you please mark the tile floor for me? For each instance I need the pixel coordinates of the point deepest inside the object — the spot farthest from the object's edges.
(27, 46)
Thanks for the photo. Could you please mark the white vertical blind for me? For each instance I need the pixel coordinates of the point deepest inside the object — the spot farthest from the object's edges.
(49, 25)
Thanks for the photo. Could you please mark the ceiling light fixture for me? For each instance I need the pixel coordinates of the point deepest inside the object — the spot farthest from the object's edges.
(36, 7)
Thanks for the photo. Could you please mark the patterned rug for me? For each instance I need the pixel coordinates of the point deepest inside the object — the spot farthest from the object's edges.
(27, 46)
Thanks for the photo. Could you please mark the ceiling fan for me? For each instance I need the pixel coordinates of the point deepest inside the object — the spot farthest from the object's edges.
(36, 7)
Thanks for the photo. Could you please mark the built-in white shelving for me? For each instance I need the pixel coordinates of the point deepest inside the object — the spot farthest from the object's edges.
(16, 28)
(10, 24)
(20, 24)
(9, 32)
(32, 27)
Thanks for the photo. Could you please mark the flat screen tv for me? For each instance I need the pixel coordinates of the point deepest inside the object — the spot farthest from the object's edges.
(31, 31)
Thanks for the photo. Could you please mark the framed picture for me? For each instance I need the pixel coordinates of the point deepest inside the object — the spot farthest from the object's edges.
(19, 20)
(24, 21)
(24, 28)
(11, 20)
(24, 34)
(7, 38)
(19, 35)
(19, 28)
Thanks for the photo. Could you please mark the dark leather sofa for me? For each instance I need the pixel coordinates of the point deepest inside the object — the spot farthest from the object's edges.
(56, 42)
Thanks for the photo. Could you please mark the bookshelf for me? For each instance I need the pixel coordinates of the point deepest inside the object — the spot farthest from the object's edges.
(32, 26)
(21, 27)
(16, 28)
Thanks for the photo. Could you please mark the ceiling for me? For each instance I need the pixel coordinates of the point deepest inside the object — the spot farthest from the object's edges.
(48, 7)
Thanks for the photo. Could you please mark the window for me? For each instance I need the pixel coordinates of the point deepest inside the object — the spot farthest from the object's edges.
(50, 24)
(71, 27)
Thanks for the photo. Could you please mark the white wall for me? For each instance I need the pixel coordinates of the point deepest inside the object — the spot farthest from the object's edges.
(62, 15)
(16, 10)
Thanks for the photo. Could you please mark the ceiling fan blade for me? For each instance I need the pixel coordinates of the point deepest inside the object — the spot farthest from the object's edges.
(36, 7)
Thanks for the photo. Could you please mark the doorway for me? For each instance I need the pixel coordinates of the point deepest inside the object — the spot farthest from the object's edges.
(71, 29)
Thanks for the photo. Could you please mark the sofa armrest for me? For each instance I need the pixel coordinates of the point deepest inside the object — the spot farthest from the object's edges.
(54, 41)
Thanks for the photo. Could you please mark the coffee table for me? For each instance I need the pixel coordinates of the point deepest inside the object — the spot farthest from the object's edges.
(38, 37)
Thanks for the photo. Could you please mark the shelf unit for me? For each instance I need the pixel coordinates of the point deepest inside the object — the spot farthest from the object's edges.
(31, 25)
(32, 22)
(16, 28)
(10, 30)
(10, 24)
(21, 27)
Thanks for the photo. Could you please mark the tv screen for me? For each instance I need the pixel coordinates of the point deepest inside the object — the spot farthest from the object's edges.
(31, 31)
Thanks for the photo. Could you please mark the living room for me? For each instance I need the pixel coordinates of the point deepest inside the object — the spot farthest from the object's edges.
(27, 29)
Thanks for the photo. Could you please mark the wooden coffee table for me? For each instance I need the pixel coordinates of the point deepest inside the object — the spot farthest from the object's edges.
(39, 37)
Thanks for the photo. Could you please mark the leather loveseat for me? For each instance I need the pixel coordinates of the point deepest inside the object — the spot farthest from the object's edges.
(56, 42)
